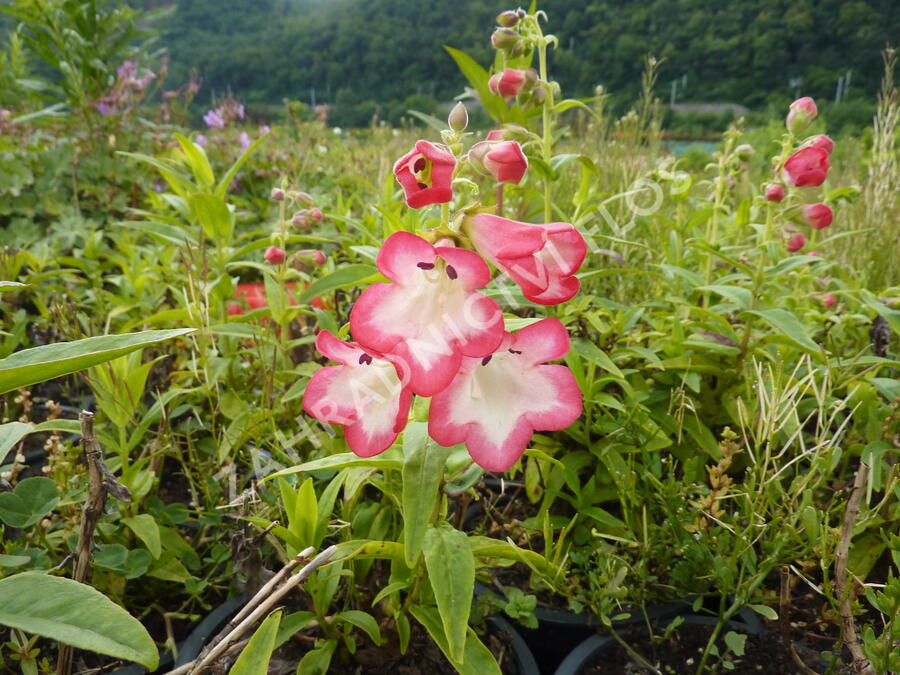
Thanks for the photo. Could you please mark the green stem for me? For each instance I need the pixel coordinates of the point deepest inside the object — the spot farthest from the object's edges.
(547, 123)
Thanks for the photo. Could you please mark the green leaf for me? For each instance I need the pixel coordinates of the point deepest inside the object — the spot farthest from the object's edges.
(345, 276)
(451, 571)
(39, 364)
(57, 608)
(594, 354)
(341, 461)
(196, 159)
(364, 621)
(146, 529)
(214, 216)
(318, 660)
(766, 611)
(478, 658)
(32, 499)
(254, 658)
(225, 181)
(290, 624)
(422, 472)
(742, 297)
(11, 286)
(10, 434)
(13, 560)
(788, 325)
(892, 316)
(735, 642)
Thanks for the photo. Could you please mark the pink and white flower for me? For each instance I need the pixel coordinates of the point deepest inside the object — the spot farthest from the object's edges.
(508, 83)
(796, 242)
(541, 259)
(365, 395)
(426, 175)
(431, 316)
(497, 402)
(822, 142)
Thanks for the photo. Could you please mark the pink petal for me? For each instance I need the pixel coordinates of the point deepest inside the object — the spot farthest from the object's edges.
(400, 255)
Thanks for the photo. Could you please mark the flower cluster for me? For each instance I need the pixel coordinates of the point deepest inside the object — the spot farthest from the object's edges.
(430, 331)
(227, 111)
(805, 166)
(127, 90)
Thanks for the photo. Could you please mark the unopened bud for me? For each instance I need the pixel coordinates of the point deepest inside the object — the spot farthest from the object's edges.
(774, 193)
(303, 199)
(803, 111)
(744, 152)
(796, 242)
(277, 194)
(508, 18)
(458, 118)
(504, 37)
(311, 256)
(274, 255)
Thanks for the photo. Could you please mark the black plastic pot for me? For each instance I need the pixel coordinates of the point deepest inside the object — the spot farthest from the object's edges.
(194, 643)
(593, 649)
(524, 659)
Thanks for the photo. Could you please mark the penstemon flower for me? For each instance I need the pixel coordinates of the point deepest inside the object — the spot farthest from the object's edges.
(365, 395)
(541, 259)
(425, 173)
(496, 403)
(807, 167)
(431, 316)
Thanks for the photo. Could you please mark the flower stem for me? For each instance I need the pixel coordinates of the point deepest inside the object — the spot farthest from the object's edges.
(547, 124)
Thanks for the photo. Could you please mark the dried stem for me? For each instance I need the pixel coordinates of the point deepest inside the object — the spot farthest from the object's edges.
(861, 664)
(784, 621)
(259, 606)
(99, 485)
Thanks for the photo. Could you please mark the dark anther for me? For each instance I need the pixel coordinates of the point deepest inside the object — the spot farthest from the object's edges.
(422, 186)
(451, 272)
(365, 359)
(514, 351)
(419, 165)
(425, 266)
(487, 359)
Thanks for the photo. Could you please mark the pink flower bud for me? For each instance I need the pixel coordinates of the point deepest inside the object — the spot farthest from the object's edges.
(817, 216)
(496, 134)
(504, 37)
(807, 167)
(505, 161)
(508, 83)
(827, 300)
(274, 255)
(311, 256)
(744, 152)
(815, 254)
(796, 242)
(508, 19)
(822, 142)
(316, 214)
(774, 192)
(303, 199)
(458, 118)
(277, 194)
(803, 111)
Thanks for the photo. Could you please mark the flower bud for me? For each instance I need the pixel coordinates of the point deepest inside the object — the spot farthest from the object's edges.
(303, 198)
(817, 216)
(823, 142)
(458, 118)
(311, 256)
(744, 152)
(815, 254)
(827, 300)
(277, 194)
(508, 18)
(803, 111)
(274, 255)
(796, 242)
(504, 37)
(774, 192)
(504, 161)
(508, 83)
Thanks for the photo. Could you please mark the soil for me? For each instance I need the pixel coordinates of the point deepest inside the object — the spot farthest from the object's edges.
(682, 651)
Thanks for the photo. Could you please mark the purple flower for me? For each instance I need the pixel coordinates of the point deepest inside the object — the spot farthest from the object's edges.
(245, 140)
(214, 119)
(200, 140)
(158, 187)
(240, 111)
(126, 69)
(264, 129)
(105, 109)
